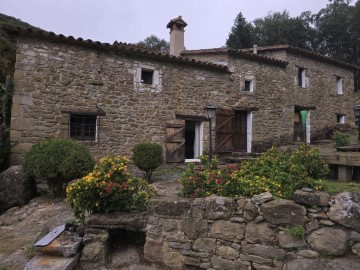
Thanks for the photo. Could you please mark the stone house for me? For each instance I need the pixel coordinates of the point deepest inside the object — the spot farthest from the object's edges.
(113, 96)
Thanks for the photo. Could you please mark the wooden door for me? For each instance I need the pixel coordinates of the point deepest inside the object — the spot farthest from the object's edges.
(240, 131)
(224, 130)
(175, 141)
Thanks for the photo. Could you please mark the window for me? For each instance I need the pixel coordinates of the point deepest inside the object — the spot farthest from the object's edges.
(339, 84)
(340, 119)
(147, 76)
(83, 127)
(248, 85)
(301, 77)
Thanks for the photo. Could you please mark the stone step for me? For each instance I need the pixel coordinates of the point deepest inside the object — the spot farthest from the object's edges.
(43, 262)
(231, 159)
(66, 245)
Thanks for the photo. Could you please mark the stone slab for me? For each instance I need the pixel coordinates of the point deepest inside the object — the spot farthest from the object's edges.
(52, 262)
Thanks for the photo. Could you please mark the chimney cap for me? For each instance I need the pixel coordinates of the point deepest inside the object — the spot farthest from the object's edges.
(178, 21)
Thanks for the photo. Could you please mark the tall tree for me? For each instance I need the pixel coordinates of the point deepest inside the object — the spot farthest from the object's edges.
(336, 27)
(280, 28)
(241, 34)
(153, 42)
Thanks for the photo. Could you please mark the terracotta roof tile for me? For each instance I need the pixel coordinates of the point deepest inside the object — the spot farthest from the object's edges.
(237, 52)
(303, 52)
(125, 47)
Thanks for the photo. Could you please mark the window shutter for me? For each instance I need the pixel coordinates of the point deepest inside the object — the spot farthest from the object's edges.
(175, 141)
(224, 130)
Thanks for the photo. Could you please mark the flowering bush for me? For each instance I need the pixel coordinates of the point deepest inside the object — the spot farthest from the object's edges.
(108, 188)
(276, 171)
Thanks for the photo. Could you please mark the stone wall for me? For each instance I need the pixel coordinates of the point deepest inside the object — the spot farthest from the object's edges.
(225, 233)
(277, 93)
(54, 77)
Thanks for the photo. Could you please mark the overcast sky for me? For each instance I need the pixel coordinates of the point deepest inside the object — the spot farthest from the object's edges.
(209, 21)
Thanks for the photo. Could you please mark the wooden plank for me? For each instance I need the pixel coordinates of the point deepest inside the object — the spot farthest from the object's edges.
(47, 239)
(175, 141)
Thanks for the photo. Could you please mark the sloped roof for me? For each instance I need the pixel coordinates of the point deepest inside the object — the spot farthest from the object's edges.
(237, 53)
(116, 46)
(304, 52)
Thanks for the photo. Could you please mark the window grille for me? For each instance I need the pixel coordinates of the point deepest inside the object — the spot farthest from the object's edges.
(83, 127)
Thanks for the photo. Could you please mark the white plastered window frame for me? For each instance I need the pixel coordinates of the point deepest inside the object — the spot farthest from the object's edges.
(156, 85)
(251, 80)
(303, 81)
(341, 119)
(308, 128)
(249, 131)
(339, 85)
(198, 142)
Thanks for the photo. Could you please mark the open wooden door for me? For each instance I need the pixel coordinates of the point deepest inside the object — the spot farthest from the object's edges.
(224, 130)
(175, 141)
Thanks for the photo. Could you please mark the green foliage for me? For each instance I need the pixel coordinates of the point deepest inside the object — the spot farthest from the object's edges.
(5, 110)
(58, 161)
(334, 31)
(241, 34)
(108, 188)
(147, 157)
(296, 231)
(334, 187)
(280, 28)
(153, 42)
(341, 139)
(279, 172)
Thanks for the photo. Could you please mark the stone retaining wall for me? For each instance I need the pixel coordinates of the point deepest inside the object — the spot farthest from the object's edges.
(239, 233)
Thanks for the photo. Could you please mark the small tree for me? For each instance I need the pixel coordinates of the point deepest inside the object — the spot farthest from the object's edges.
(147, 157)
(58, 161)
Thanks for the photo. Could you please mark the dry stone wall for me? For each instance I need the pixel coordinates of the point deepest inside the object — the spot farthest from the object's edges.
(238, 233)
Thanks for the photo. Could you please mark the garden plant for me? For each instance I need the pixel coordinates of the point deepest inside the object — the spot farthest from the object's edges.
(276, 171)
(147, 157)
(108, 188)
(58, 161)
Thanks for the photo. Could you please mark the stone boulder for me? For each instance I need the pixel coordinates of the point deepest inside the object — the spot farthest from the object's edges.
(284, 212)
(219, 207)
(16, 188)
(313, 197)
(346, 210)
(260, 233)
(228, 231)
(329, 241)
(288, 241)
(263, 197)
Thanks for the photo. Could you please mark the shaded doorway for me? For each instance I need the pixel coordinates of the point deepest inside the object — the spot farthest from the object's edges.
(192, 139)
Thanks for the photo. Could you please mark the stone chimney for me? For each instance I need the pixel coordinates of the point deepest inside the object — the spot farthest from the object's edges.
(177, 29)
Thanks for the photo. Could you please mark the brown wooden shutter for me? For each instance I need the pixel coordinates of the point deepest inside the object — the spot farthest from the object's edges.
(175, 141)
(224, 130)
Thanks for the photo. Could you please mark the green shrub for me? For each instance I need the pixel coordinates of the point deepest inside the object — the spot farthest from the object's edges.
(276, 171)
(341, 139)
(147, 157)
(108, 188)
(58, 161)
(296, 231)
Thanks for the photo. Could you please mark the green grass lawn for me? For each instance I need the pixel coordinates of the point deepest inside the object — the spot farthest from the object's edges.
(334, 187)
